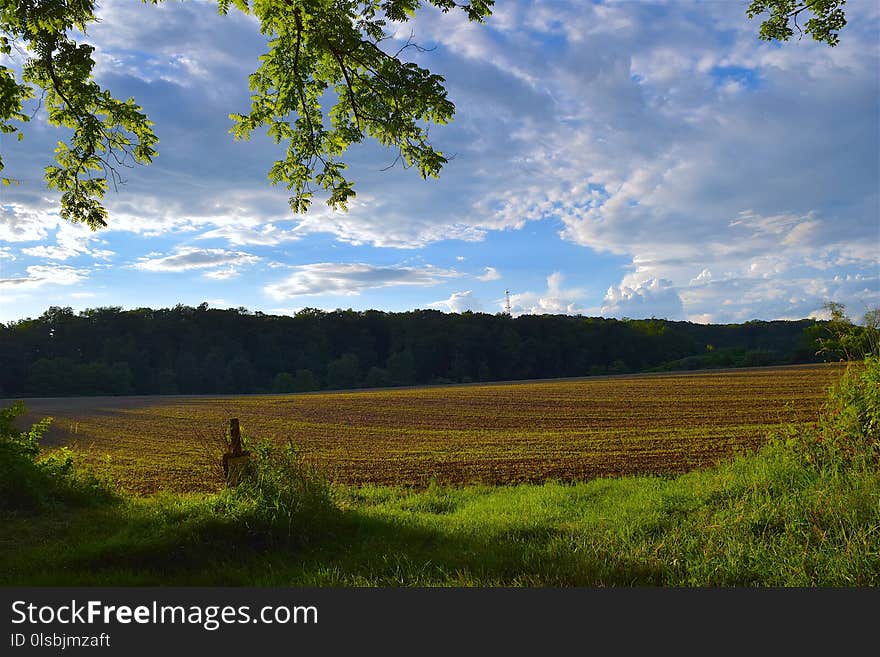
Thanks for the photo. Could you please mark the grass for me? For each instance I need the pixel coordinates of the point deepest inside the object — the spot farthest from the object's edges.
(802, 511)
(762, 519)
(489, 434)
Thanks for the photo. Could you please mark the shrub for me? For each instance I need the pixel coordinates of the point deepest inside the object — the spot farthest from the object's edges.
(847, 434)
(281, 496)
(30, 482)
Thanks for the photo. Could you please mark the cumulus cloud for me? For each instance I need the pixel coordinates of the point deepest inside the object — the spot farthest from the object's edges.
(650, 298)
(735, 298)
(224, 210)
(458, 302)
(41, 275)
(489, 274)
(23, 223)
(352, 278)
(554, 300)
(656, 155)
(50, 252)
(407, 220)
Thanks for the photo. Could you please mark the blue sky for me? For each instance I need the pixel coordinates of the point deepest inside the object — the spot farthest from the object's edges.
(619, 159)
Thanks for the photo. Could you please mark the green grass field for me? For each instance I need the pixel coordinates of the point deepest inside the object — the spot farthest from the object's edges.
(761, 520)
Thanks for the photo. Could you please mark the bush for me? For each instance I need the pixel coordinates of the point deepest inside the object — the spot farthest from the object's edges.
(30, 483)
(281, 496)
(847, 434)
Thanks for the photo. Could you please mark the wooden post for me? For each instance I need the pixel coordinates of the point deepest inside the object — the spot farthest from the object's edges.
(235, 436)
(236, 461)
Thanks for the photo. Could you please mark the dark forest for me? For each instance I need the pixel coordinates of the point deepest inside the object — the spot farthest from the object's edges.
(186, 350)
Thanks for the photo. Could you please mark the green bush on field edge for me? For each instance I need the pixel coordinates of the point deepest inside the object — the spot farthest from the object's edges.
(31, 482)
(847, 434)
(281, 496)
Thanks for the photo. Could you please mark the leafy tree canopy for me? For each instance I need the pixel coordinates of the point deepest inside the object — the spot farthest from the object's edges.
(314, 47)
(827, 18)
(330, 50)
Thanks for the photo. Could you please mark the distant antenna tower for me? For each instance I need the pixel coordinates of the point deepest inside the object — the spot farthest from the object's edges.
(507, 301)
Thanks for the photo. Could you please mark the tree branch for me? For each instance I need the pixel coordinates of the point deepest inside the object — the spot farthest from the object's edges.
(354, 107)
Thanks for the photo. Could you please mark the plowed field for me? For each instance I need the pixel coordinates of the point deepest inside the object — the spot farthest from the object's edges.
(568, 430)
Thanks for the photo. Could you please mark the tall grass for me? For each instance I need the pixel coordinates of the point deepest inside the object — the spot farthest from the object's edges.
(281, 496)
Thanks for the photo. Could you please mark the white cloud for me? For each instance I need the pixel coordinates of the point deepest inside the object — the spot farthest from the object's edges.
(293, 311)
(21, 223)
(652, 157)
(222, 274)
(458, 302)
(50, 252)
(650, 298)
(489, 274)
(555, 300)
(267, 235)
(215, 208)
(390, 220)
(41, 275)
(352, 278)
(185, 258)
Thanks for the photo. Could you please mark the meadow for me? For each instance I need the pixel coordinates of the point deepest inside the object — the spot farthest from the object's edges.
(569, 430)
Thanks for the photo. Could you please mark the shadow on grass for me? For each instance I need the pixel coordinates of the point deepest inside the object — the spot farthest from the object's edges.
(169, 542)
(767, 520)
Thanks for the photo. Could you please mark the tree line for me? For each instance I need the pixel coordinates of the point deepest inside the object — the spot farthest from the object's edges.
(184, 350)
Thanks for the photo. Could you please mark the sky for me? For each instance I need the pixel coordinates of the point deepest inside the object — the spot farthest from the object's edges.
(616, 159)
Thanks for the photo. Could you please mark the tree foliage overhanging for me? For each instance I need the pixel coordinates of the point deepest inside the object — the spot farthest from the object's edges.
(317, 50)
(825, 19)
(200, 350)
